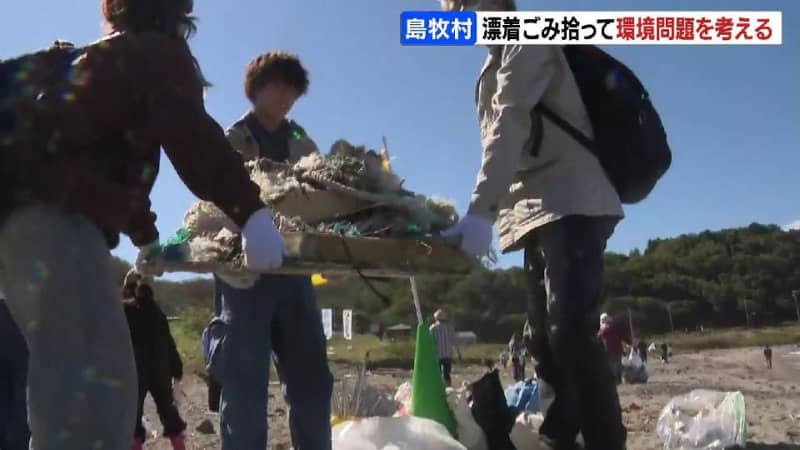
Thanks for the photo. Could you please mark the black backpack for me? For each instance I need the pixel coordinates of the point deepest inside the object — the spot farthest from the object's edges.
(22, 80)
(629, 138)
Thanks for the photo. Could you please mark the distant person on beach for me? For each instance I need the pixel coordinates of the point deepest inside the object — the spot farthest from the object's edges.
(664, 352)
(444, 337)
(641, 348)
(613, 334)
(158, 363)
(504, 358)
(516, 348)
(768, 356)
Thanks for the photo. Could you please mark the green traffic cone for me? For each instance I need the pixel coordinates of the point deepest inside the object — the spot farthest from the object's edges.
(428, 397)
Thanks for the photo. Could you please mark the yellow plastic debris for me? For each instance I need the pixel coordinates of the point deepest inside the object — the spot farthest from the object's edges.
(336, 420)
(318, 280)
(386, 164)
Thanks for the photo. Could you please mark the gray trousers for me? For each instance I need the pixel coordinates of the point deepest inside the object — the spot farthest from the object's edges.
(55, 269)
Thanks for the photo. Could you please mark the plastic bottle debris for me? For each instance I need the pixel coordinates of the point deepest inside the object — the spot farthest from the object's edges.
(703, 420)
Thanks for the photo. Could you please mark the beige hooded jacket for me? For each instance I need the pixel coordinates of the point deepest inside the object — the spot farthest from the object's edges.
(523, 185)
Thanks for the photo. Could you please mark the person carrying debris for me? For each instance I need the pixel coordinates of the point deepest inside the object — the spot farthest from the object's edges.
(551, 198)
(768, 356)
(157, 360)
(444, 336)
(516, 349)
(614, 334)
(272, 314)
(14, 431)
(80, 138)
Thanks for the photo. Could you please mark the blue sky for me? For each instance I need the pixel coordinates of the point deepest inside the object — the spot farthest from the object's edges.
(732, 113)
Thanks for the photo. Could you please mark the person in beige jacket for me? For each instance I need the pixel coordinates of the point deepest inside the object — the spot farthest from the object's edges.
(550, 197)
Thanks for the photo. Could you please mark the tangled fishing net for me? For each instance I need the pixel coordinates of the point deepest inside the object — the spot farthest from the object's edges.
(350, 191)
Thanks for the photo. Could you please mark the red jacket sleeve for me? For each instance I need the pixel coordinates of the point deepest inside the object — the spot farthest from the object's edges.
(193, 141)
(142, 226)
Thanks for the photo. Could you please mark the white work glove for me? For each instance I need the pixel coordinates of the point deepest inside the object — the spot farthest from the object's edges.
(238, 280)
(475, 233)
(262, 244)
(149, 262)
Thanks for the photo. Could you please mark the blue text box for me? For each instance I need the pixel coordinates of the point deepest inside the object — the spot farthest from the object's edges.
(438, 28)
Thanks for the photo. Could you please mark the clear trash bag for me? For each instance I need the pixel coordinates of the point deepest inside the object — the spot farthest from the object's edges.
(393, 433)
(703, 420)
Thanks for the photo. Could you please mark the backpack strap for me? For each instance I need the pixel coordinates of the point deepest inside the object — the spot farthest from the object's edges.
(565, 126)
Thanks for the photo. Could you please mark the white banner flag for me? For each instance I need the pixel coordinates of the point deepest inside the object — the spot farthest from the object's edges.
(327, 323)
(347, 324)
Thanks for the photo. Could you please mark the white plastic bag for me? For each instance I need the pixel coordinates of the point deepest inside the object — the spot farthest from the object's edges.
(393, 433)
(632, 360)
(633, 369)
(470, 434)
(703, 420)
(403, 396)
(525, 434)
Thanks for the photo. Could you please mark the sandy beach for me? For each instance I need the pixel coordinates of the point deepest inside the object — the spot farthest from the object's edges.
(772, 398)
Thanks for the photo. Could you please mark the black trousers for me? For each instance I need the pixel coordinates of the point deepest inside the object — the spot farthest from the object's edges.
(214, 392)
(518, 364)
(564, 264)
(165, 406)
(446, 364)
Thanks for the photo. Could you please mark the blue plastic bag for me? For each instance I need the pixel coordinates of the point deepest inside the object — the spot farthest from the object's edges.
(524, 396)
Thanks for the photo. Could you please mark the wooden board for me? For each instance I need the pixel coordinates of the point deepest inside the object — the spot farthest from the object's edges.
(374, 256)
(331, 254)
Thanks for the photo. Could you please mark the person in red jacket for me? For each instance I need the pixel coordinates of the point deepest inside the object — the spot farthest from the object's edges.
(613, 334)
(79, 158)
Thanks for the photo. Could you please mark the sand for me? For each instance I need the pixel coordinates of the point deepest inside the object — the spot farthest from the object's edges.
(772, 398)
